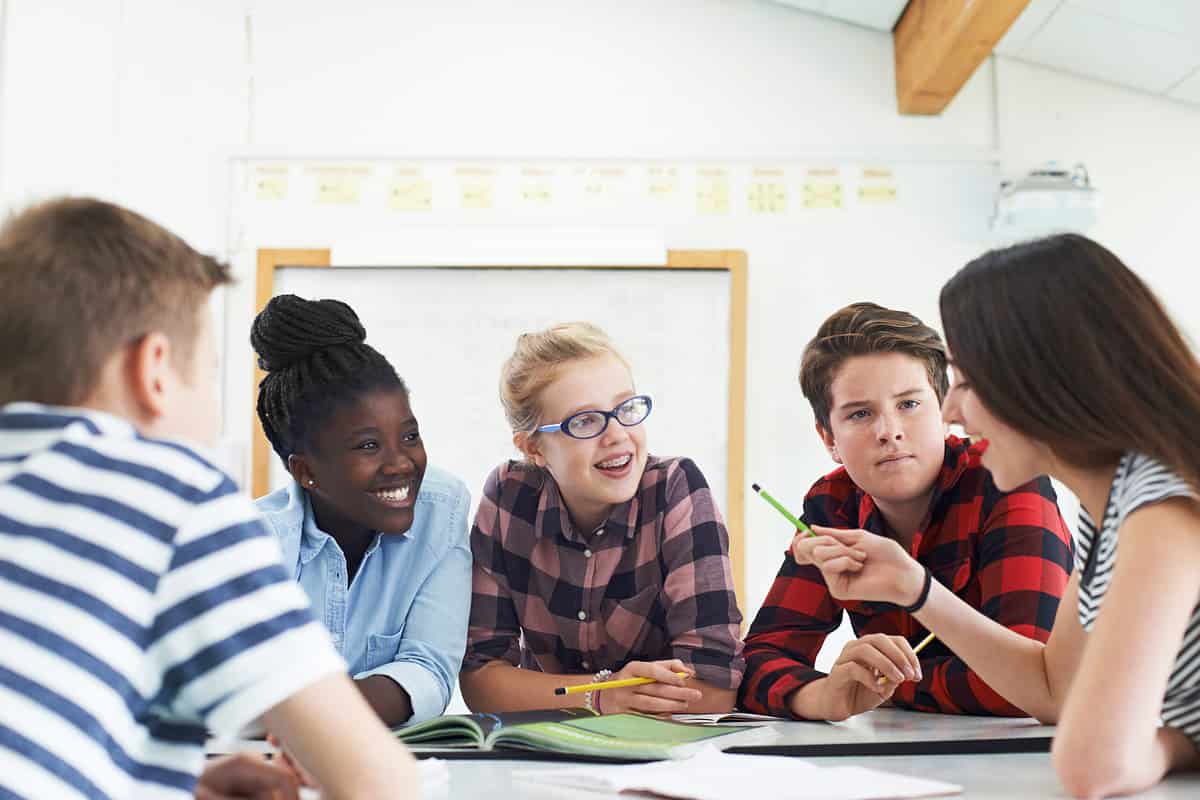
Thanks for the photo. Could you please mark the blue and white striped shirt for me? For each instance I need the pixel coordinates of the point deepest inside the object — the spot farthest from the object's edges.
(141, 603)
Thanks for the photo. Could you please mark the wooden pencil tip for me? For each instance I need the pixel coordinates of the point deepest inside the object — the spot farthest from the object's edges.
(756, 487)
(561, 690)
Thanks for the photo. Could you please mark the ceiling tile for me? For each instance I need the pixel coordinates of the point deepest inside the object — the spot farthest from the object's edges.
(1026, 27)
(1096, 46)
(1172, 16)
(880, 15)
(1189, 90)
(804, 5)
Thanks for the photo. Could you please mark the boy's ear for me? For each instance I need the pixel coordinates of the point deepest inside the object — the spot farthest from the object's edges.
(527, 444)
(150, 375)
(830, 444)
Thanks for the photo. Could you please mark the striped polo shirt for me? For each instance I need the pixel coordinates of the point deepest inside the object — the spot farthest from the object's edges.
(1139, 481)
(141, 603)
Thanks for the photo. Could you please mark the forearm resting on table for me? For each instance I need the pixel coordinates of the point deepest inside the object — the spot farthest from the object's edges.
(713, 700)
(386, 698)
(809, 701)
(499, 686)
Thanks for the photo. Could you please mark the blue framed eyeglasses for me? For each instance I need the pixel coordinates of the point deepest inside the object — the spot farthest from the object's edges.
(590, 424)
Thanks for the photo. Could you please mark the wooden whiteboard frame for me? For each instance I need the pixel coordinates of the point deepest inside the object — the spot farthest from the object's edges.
(732, 261)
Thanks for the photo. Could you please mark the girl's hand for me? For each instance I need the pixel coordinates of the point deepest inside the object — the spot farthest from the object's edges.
(669, 695)
(820, 550)
(886, 573)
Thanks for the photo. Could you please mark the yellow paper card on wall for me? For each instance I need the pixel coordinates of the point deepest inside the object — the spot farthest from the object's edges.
(822, 189)
(767, 193)
(662, 183)
(712, 191)
(537, 187)
(339, 185)
(878, 185)
(270, 183)
(476, 187)
(411, 194)
(603, 186)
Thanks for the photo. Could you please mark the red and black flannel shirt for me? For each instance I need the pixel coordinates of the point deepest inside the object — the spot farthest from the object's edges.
(1008, 554)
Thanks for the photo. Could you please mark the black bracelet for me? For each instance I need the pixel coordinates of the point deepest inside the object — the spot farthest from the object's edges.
(921, 598)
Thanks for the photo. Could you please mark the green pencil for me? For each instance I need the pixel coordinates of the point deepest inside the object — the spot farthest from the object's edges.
(800, 526)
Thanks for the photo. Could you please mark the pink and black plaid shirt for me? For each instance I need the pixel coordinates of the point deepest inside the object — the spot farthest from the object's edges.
(654, 582)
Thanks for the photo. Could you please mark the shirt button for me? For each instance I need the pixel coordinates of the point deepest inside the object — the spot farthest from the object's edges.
(587, 553)
(582, 615)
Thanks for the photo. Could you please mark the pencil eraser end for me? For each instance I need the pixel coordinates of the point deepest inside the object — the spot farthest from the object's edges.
(560, 690)
(756, 487)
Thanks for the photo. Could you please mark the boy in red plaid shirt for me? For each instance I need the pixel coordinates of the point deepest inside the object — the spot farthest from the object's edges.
(875, 379)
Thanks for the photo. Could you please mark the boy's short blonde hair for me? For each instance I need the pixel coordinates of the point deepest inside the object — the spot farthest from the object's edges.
(79, 280)
(536, 362)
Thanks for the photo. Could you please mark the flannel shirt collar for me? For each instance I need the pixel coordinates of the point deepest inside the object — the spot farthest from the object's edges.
(955, 461)
(553, 518)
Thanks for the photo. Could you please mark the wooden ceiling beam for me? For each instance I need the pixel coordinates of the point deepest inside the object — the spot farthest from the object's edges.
(940, 43)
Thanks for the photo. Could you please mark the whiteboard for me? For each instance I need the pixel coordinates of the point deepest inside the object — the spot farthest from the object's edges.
(448, 330)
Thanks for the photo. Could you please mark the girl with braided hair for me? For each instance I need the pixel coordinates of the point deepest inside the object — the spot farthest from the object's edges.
(375, 535)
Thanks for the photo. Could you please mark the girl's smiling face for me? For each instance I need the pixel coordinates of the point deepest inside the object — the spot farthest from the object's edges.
(1012, 457)
(366, 463)
(595, 474)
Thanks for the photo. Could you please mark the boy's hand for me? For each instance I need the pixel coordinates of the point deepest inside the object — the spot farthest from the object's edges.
(885, 573)
(291, 765)
(853, 686)
(670, 695)
(245, 776)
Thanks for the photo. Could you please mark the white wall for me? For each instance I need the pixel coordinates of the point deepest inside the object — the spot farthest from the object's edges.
(142, 101)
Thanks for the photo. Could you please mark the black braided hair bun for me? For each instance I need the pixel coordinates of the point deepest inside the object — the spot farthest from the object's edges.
(290, 330)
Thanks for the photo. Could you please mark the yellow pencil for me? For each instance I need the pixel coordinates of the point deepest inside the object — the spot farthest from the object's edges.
(590, 687)
(882, 680)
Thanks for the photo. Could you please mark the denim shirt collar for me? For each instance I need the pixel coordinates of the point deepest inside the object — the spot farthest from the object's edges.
(313, 539)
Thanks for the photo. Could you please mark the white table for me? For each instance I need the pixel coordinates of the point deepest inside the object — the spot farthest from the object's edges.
(1008, 776)
(993, 775)
(892, 731)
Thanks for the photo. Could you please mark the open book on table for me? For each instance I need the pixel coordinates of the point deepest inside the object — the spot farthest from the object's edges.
(578, 732)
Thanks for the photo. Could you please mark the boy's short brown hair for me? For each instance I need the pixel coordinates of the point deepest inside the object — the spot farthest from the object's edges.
(79, 280)
(861, 329)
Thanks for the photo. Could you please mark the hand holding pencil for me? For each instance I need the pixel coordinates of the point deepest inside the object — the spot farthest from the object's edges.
(647, 687)
(857, 564)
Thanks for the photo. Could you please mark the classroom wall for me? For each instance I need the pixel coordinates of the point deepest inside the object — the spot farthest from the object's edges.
(143, 102)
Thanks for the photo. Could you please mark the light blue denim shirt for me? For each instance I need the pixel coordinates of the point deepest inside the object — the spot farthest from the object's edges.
(405, 613)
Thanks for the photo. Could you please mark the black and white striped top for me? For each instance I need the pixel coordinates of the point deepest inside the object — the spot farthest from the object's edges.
(1140, 481)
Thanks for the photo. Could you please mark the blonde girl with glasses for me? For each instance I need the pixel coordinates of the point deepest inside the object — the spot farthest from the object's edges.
(592, 558)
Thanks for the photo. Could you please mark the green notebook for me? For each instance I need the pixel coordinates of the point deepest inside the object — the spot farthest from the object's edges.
(576, 732)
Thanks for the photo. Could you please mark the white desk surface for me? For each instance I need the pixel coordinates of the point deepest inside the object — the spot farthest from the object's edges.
(885, 725)
(988, 776)
(1025, 776)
